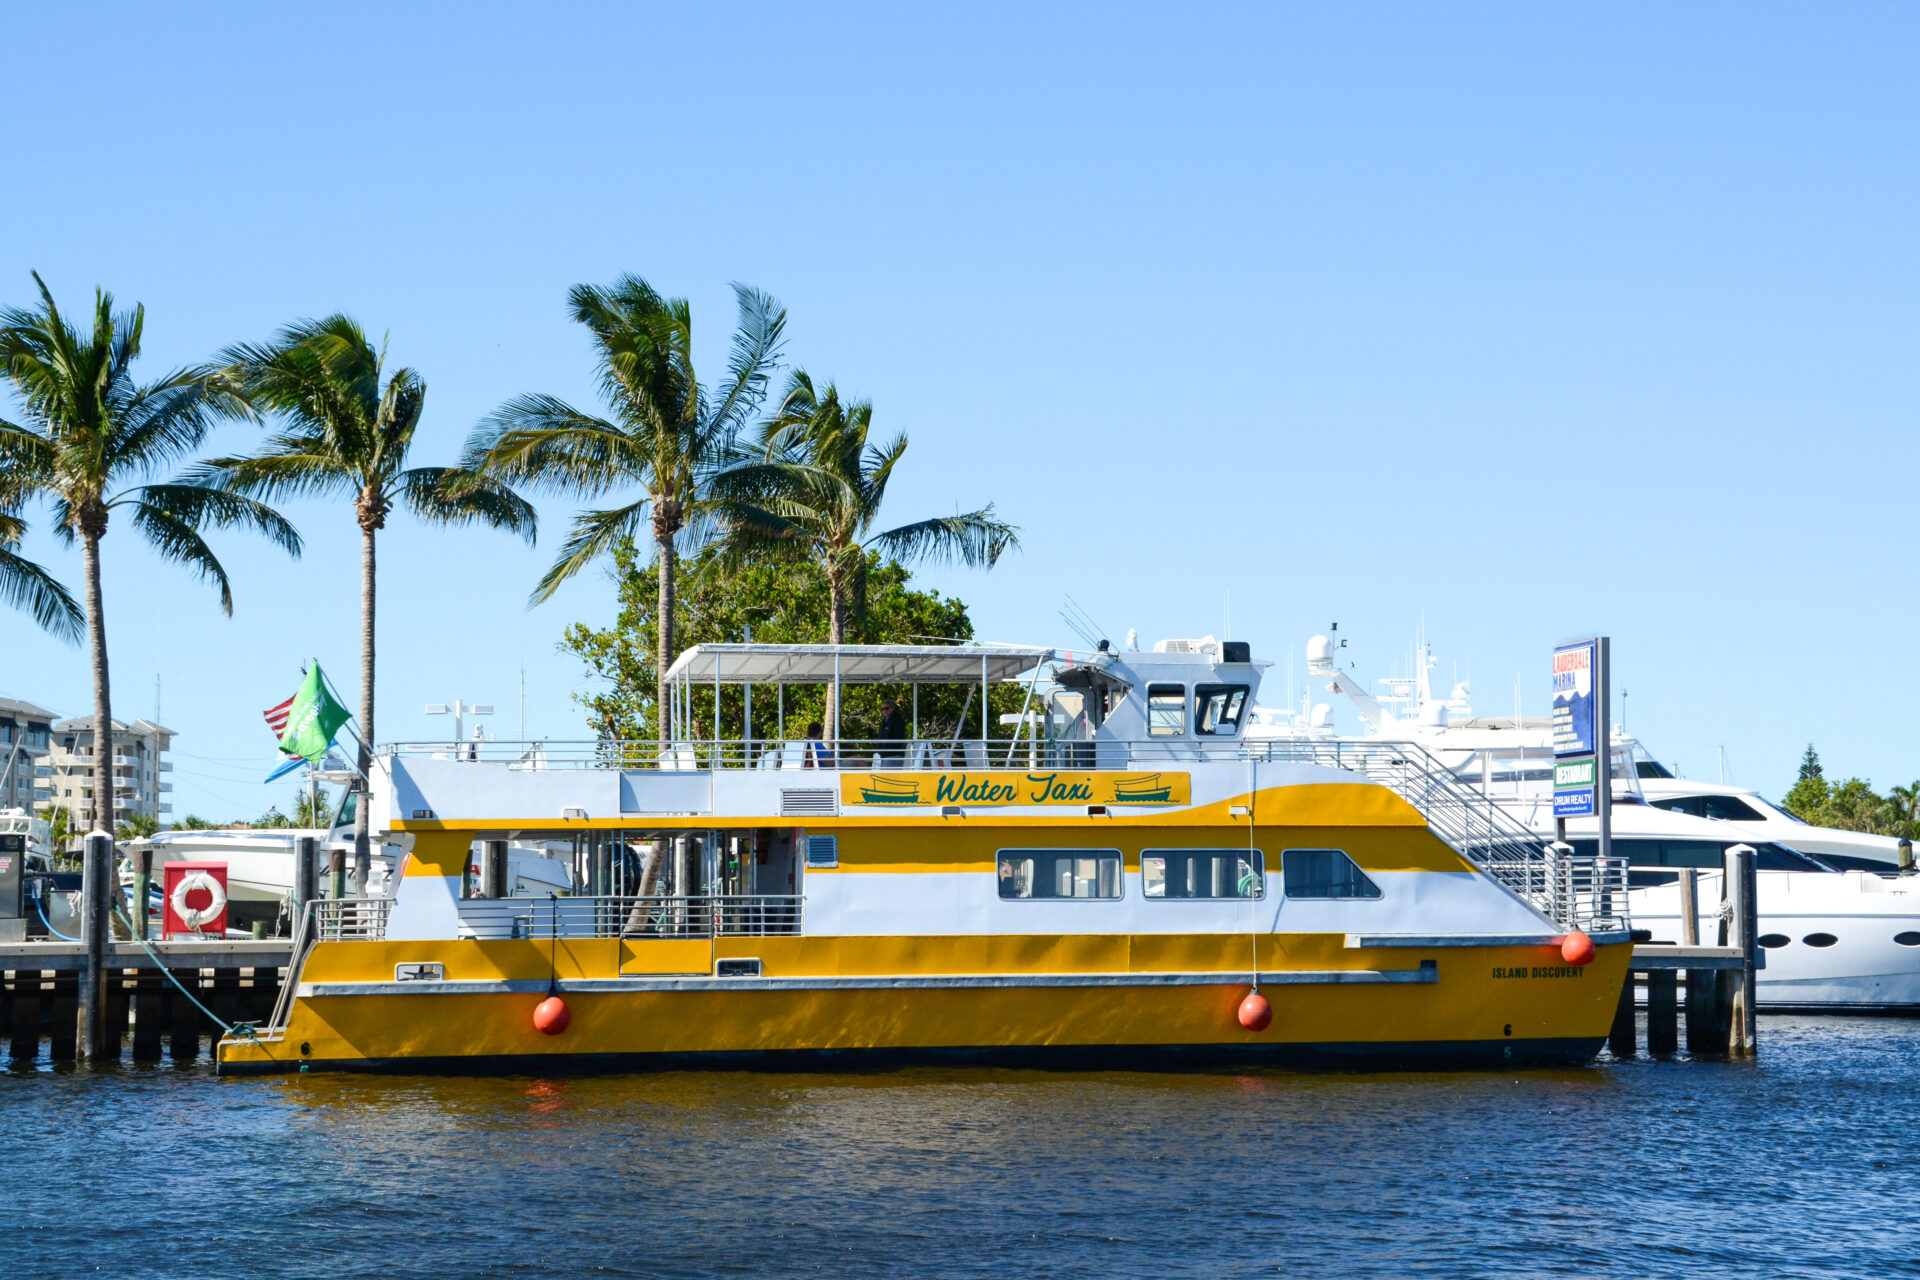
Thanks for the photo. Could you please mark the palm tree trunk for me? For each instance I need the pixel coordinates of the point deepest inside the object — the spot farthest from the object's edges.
(663, 630)
(836, 634)
(102, 699)
(362, 848)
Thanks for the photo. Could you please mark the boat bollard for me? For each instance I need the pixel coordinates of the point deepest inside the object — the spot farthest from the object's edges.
(1906, 856)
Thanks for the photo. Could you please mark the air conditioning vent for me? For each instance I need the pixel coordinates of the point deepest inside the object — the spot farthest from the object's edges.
(807, 802)
(823, 851)
(1205, 644)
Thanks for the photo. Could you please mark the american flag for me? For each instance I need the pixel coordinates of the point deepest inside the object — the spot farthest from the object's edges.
(277, 717)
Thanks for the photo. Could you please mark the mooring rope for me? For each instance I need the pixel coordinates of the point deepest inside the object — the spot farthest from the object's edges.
(244, 1029)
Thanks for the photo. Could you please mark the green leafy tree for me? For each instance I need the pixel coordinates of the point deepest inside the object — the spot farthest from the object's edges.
(780, 601)
(817, 494)
(1810, 765)
(666, 437)
(347, 428)
(193, 822)
(135, 826)
(271, 820)
(89, 438)
(314, 811)
(60, 833)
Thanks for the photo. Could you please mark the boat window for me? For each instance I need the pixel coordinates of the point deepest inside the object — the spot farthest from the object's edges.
(1217, 708)
(1705, 855)
(1773, 940)
(1059, 873)
(1325, 873)
(1651, 769)
(1203, 873)
(1819, 939)
(1166, 710)
(348, 803)
(1907, 939)
(1723, 808)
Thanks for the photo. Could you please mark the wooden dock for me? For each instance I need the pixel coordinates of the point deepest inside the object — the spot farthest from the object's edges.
(40, 983)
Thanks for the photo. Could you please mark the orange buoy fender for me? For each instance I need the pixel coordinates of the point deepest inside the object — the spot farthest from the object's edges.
(1255, 1012)
(551, 1015)
(1577, 948)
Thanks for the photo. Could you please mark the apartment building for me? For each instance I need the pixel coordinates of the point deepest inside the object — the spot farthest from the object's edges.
(140, 784)
(26, 733)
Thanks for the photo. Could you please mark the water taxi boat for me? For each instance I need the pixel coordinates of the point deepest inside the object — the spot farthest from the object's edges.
(1123, 880)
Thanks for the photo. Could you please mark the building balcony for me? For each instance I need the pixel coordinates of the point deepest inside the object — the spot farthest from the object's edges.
(166, 766)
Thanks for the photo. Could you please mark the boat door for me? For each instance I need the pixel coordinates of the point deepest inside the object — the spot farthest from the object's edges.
(671, 930)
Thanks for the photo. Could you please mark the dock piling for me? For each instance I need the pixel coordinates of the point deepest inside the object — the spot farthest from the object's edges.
(96, 889)
(1743, 923)
(1663, 1011)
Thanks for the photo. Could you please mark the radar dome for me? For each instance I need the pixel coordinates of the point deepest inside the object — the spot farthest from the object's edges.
(1319, 652)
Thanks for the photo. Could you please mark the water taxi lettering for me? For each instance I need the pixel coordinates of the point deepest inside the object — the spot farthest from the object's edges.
(1047, 788)
(952, 790)
(1539, 971)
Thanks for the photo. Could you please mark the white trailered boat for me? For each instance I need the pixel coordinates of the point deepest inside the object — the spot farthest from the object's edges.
(260, 863)
(1839, 923)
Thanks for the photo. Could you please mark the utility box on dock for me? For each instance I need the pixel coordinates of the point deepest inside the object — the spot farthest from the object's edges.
(13, 868)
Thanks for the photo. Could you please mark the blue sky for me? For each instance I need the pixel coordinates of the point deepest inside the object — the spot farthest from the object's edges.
(1522, 320)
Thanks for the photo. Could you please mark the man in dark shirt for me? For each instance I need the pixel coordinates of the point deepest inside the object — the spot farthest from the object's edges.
(892, 736)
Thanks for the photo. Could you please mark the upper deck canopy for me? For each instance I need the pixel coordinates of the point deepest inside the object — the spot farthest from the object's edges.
(854, 663)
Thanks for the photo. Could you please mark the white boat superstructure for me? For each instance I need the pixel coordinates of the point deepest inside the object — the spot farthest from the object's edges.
(1839, 925)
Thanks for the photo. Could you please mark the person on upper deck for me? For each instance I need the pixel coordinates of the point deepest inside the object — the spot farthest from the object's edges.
(819, 754)
(892, 736)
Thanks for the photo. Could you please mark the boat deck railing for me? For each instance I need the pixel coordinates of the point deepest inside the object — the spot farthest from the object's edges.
(349, 919)
(633, 916)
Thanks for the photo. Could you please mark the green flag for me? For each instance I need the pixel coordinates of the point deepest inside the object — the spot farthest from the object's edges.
(314, 719)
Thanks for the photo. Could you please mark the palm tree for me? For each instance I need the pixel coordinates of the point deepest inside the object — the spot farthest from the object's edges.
(1905, 802)
(666, 437)
(817, 492)
(346, 433)
(26, 586)
(90, 429)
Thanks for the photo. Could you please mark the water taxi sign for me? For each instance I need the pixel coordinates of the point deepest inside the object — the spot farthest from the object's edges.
(1013, 787)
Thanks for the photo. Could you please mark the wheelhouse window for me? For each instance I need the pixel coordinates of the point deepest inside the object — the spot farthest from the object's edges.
(1325, 873)
(1203, 873)
(1657, 862)
(1166, 710)
(1059, 873)
(1218, 708)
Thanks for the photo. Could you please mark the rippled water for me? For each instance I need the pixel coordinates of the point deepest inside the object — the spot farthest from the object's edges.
(1803, 1163)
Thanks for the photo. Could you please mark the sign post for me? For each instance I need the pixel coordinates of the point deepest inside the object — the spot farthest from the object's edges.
(1582, 737)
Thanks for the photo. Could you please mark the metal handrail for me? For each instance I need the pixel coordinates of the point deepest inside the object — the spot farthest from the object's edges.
(634, 916)
(350, 919)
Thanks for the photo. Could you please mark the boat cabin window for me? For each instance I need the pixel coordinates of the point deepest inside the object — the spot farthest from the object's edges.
(1656, 862)
(1651, 769)
(1725, 808)
(1059, 873)
(1203, 873)
(1217, 708)
(1324, 873)
(1166, 710)
(348, 803)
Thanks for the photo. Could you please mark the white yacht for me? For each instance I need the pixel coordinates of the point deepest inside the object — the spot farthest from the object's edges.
(1839, 923)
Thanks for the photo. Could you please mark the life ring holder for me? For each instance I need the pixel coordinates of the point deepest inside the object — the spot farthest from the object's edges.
(197, 918)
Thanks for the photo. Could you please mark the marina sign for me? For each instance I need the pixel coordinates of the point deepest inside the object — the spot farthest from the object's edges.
(1013, 787)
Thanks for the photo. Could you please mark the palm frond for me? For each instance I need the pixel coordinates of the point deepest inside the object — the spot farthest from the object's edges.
(26, 586)
(176, 540)
(288, 467)
(454, 495)
(545, 442)
(756, 353)
(197, 506)
(594, 534)
(975, 538)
